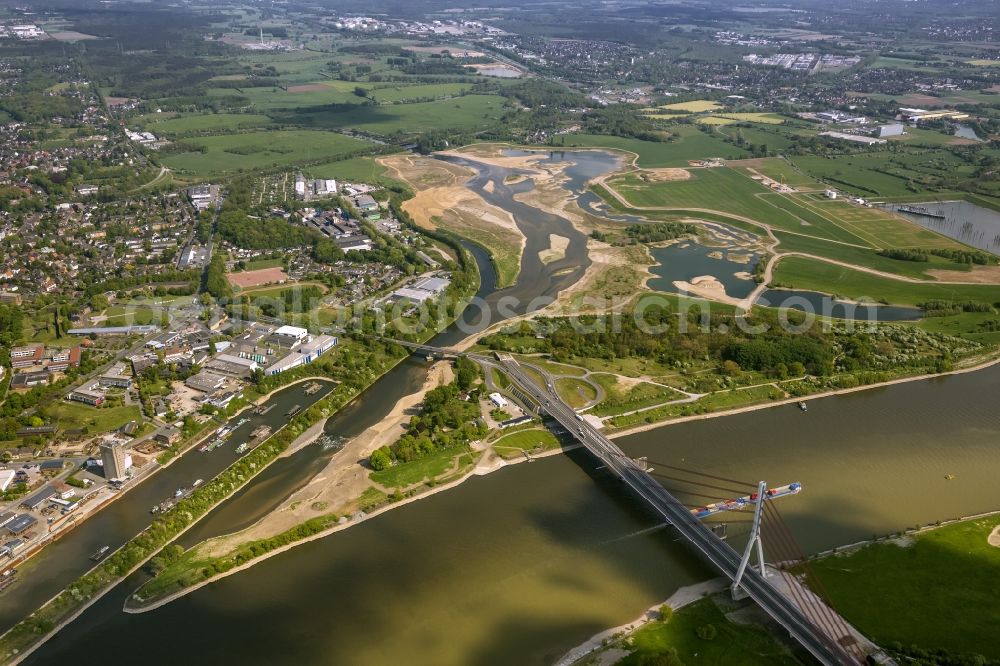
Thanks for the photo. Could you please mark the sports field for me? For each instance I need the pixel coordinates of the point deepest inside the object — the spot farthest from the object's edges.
(255, 278)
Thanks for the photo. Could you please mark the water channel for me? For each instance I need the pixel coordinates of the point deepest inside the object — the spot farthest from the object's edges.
(961, 220)
(520, 565)
(47, 573)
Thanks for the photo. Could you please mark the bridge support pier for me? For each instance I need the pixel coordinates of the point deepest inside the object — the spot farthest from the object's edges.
(753, 544)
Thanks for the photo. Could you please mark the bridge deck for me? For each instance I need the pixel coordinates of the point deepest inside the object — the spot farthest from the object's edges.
(717, 551)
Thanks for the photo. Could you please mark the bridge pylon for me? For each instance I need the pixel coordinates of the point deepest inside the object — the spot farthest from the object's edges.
(754, 544)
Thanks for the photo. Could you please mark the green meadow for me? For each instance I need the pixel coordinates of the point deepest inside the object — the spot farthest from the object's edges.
(228, 153)
(935, 590)
(804, 273)
(686, 143)
(469, 112)
(364, 169)
(204, 122)
(869, 258)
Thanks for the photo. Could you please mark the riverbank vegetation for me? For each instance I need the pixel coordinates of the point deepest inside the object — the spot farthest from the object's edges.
(164, 529)
(928, 597)
(449, 418)
(729, 363)
(700, 633)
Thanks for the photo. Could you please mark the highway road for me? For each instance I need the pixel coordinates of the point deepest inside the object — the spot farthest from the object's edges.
(717, 551)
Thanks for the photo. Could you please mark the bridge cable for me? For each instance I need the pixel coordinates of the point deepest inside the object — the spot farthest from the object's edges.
(778, 544)
(697, 484)
(822, 614)
(697, 473)
(816, 584)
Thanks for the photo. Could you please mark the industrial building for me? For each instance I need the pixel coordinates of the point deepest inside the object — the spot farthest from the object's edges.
(839, 117)
(895, 129)
(205, 381)
(228, 364)
(38, 499)
(856, 138)
(20, 524)
(203, 196)
(116, 461)
(290, 336)
(916, 115)
(421, 290)
(307, 352)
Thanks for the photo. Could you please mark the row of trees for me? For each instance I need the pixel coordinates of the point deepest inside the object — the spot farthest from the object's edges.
(956, 255)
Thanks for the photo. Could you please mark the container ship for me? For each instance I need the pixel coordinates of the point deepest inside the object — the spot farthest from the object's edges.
(745, 501)
(100, 553)
(171, 502)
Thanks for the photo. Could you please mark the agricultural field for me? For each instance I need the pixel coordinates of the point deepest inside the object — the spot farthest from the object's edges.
(260, 150)
(404, 93)
(892, 590)
(694, 106)
(803, 273)
(461, 113)
(292, 97)
(687, 143)
(869, 258)
(781, 170)
(716, 120)
(764, 118)
(171, 125)
(655, 114)
(722, 189)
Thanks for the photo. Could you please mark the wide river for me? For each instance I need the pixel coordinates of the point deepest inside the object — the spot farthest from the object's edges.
(518, 566)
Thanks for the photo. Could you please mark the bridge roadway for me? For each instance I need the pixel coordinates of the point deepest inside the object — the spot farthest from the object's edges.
(717, 551)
